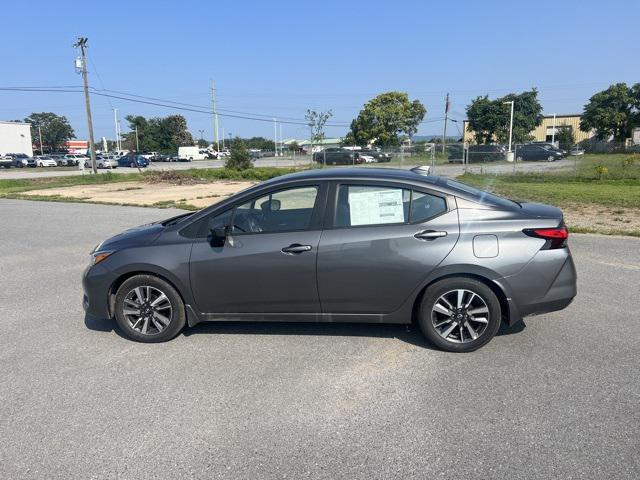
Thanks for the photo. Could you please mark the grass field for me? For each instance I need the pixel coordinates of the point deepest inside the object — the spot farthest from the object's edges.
(601, 194)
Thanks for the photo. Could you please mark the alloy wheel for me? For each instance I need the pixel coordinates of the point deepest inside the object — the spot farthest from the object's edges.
(147, 309)
(460, 316)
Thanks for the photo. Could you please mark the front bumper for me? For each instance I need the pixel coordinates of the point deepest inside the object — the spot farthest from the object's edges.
(96, 283)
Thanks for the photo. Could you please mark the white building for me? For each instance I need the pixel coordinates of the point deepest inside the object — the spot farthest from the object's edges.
(15, 137)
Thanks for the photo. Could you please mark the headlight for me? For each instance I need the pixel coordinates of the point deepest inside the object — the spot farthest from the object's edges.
(97, 257)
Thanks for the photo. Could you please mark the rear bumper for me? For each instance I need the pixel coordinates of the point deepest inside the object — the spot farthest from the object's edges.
(547, 284)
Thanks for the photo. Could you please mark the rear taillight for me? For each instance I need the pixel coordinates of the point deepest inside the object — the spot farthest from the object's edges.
(555, 237)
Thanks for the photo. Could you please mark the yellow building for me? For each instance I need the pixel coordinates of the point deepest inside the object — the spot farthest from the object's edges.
(544, 131)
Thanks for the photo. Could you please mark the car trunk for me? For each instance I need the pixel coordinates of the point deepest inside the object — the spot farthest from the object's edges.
(541, 210)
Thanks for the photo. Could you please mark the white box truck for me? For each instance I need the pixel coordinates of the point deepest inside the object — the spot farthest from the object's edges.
(189, 154)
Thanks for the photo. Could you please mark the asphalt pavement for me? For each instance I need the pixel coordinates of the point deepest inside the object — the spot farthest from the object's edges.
(557, 397)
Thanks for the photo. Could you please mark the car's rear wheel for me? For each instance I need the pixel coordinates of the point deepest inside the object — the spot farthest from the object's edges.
(148, 309)
(459, 314)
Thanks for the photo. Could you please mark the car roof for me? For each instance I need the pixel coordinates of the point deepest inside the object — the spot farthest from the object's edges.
(384, 174)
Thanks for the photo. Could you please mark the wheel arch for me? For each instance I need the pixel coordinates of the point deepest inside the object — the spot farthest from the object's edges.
(497, 289)
(192, 316)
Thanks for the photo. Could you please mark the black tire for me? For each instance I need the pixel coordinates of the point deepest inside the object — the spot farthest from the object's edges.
(518, 159)
(132, 165)
(177, 318)
(442, 287)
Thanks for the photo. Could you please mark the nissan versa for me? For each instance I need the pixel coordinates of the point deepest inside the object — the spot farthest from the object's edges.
(340, 245)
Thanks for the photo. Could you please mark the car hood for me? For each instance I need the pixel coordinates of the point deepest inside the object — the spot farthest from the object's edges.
(541, 210)
(134, 237)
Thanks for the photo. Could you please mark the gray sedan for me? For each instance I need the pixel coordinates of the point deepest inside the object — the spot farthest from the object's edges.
(340, 245)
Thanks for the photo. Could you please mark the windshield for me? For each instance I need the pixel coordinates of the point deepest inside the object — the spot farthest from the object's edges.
(481, 196)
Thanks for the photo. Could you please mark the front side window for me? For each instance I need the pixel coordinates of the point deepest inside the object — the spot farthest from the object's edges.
(290, 209)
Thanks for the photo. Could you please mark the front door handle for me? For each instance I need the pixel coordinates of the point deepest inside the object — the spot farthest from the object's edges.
(430, 235)
(296, 248)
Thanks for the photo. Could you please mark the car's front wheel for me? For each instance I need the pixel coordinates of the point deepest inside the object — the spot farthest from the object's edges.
(148, 309)
(459, 314)
(550, 158)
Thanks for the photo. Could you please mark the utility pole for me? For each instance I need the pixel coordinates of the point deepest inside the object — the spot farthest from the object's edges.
(137, 143)
(281, 140)
(82, 45)
(446, 117)
(40, 135)
(115, 122)
(553, 132)
(215, 114)
(275, 136)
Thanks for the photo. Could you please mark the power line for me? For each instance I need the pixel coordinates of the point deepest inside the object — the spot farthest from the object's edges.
(181, 106)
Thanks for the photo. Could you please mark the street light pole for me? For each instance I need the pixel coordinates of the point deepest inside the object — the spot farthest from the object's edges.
(510, 125)
(553, 131)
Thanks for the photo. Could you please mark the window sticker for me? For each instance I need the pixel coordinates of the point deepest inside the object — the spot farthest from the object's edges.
(372, 207)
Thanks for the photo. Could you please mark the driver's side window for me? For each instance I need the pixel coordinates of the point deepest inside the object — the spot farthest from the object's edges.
(283, 210)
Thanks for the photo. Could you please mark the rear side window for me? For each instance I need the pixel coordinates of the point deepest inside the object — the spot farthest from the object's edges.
(359, 205)
(425, 206)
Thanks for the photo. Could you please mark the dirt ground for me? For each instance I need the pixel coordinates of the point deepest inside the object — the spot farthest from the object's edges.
(204, 194)
(601, 217)
(142, 193)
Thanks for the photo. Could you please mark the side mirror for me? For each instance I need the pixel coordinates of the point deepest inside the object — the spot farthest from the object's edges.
(221, 232)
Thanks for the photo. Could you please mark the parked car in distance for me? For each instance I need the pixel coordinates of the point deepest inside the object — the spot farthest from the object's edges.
(550, 146)
(378, 156)
(534, 152)
(340, 245)
(103, 161)
(45, 161)
(486, 153)
(338, 156)
(73, 159)
(18, 160)
(132, 160)
(7, 161)
(576, 151)
(189, 154)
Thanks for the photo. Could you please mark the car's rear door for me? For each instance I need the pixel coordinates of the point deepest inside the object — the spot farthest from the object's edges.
(268, 262)
(380, 242)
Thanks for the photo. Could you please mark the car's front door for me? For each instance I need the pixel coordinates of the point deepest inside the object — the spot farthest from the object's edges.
(384, 242)
(267, 263)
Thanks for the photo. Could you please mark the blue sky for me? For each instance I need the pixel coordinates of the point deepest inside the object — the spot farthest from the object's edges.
(281, 57)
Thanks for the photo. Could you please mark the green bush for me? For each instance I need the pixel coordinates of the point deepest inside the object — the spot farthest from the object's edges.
(239, 158)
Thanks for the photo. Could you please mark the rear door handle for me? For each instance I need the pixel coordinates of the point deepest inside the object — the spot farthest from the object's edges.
(296, 248)
(430, 235)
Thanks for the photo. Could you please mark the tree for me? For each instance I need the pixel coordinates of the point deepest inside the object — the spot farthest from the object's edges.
(316, 121)
(565, 137)
(202, 143)
(384, 118)
(164, 134)
(294, 147)
(613, 112)
(260, 143)
(239, 158)
(55, 130)
(489, 119)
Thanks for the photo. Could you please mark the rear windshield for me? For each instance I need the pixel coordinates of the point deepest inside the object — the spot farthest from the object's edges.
(481, 196)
